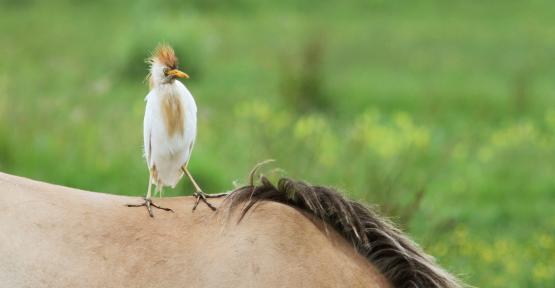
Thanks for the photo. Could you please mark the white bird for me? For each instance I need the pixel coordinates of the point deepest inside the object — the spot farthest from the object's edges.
(170, 127)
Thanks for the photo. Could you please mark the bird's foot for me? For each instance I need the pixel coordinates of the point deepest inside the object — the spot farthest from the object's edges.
(149, 204)
(199, 195)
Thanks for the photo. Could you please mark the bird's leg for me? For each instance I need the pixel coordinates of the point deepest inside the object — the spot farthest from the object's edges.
(199, 195)
(160, 190)
(148, 202)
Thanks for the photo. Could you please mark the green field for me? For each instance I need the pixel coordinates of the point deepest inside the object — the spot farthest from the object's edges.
(442, 113)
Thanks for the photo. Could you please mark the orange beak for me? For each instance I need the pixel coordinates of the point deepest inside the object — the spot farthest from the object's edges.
(178, 74)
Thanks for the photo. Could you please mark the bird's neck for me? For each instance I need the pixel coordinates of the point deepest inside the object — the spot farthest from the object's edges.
(167, 88)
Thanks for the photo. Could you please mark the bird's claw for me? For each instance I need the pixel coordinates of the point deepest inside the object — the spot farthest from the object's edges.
(148, 204)
(199, 195)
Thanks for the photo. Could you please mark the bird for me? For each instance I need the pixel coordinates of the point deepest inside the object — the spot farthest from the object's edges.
(169, 128)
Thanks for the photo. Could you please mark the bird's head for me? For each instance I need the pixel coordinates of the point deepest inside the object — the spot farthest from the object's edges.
(163, 66)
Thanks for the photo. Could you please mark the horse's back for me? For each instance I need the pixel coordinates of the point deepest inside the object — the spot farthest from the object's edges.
(53, 236)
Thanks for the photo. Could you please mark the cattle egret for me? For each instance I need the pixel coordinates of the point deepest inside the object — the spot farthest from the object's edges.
(170, 128)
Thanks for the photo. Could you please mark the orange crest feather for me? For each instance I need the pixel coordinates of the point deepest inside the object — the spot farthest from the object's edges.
(165, 54)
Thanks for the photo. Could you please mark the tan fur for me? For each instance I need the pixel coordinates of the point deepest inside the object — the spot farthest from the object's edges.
(394, 254)
(53, 236)
(173, 115)
(165, 54)
(154, 173)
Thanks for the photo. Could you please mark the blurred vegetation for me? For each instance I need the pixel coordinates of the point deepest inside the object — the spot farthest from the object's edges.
(441, 113)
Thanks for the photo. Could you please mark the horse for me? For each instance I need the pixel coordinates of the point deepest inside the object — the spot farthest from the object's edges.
(263, 235)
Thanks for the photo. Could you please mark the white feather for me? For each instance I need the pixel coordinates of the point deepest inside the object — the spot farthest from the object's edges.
(168, 154)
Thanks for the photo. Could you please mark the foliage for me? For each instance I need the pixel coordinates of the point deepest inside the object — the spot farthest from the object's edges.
(442, 115)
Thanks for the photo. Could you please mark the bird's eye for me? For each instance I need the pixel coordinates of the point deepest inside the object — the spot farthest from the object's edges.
(166, 71)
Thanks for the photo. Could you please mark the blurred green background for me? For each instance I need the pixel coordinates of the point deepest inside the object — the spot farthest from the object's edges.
(442, 113)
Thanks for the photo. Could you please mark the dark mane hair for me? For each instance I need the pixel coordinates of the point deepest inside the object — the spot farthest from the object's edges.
(397, 257)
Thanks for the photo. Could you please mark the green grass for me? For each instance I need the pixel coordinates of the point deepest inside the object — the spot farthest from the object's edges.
(441, 113)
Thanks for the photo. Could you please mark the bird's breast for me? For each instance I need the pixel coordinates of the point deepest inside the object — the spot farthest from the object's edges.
(173, 113)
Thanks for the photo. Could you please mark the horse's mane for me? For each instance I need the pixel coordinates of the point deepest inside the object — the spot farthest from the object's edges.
(400, 260)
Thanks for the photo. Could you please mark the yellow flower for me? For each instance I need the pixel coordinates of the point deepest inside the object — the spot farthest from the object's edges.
(315, 132)
(388, 140)
(546, 242)
(542, 272)
(487, 255)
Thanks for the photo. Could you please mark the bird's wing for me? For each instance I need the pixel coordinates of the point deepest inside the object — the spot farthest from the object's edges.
(190, 119)
(193, 126)
(191, 145)
(147, 129)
